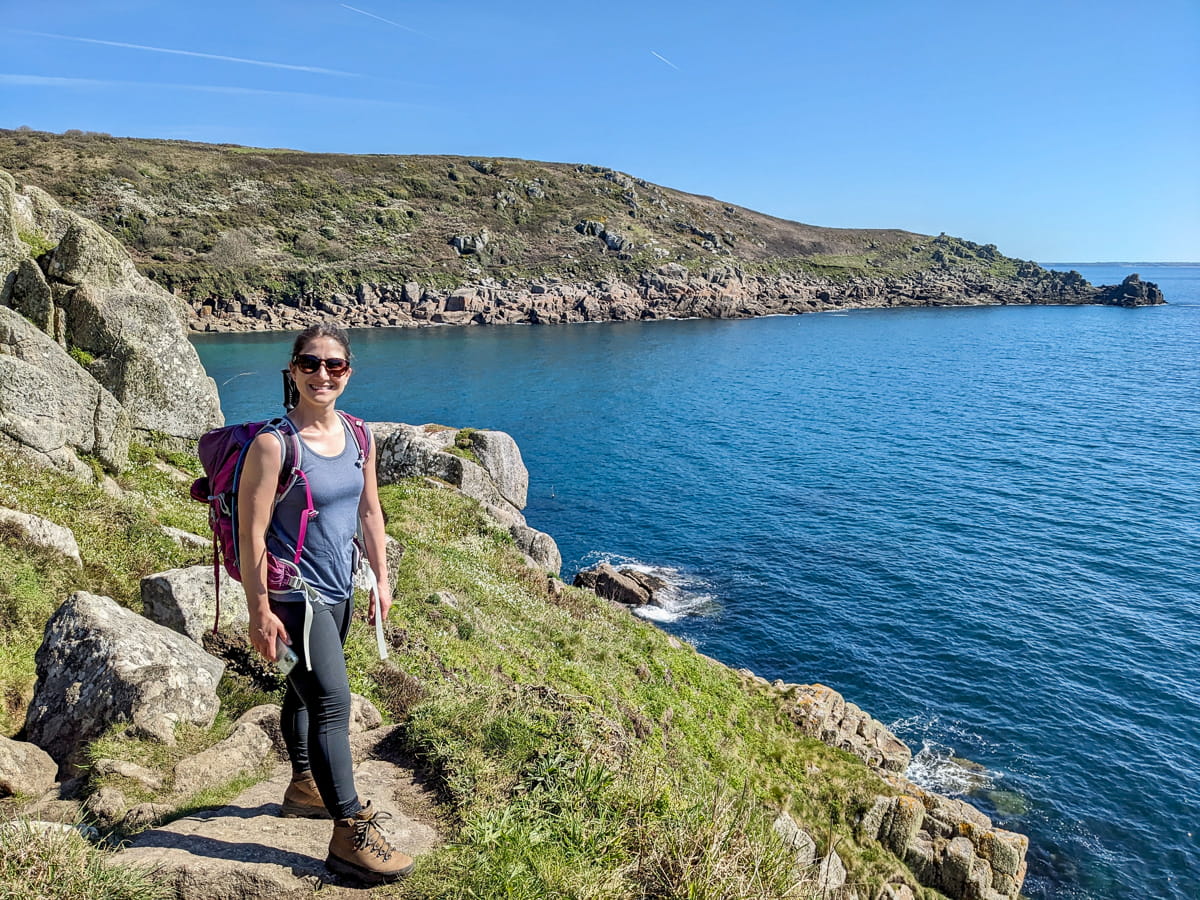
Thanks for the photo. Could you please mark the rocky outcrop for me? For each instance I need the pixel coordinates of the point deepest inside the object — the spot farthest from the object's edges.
(130, 363)
(101, 663)
(485, 465)
(185, 600)
(823, 713)
(43, 533)
(948, 844)
(52, 411)
(671, 291)
(625, 585)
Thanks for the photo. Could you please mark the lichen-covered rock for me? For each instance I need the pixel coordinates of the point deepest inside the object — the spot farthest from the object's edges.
(246, 750)
(948, 844)
(100, 664)
(87, 294)
(51, 409)
(501, 457)
(185, 600)
(801, 842)
(823, 713)
(25, 769)
(44, 533)
(142, 356)
(499, 481)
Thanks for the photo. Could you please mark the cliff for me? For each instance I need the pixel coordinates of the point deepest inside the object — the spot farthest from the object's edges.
(255, 238)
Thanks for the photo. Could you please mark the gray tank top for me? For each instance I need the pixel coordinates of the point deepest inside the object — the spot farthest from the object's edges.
(327, 561)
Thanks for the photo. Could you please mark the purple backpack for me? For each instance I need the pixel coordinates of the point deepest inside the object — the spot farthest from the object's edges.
(222, 453)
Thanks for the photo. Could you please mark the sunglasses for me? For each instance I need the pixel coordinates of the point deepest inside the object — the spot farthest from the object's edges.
(309, 364)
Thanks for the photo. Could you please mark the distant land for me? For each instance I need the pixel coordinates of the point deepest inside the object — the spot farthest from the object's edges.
(254, 238)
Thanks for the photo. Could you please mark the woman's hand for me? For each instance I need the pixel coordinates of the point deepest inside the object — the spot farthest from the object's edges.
(385, 601)
(263, 633)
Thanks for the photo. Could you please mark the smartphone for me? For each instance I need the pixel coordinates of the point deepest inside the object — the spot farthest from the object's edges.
(285, 657)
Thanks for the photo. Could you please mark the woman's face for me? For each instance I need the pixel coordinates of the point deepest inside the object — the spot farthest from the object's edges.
(321, 387)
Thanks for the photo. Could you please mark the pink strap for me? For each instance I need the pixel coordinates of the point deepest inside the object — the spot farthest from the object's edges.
(216, 582)
(308, 513)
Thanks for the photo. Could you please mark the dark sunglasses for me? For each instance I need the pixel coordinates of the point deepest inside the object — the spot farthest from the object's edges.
(309, 364)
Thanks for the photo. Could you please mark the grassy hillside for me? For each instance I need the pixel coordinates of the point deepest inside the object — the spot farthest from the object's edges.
(578, 751)
(222, 220)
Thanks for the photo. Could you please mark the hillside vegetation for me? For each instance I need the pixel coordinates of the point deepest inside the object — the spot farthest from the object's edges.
(222, 220)
(578, 751)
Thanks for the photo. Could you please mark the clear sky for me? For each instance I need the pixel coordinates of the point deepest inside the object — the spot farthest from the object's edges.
(1058, 130)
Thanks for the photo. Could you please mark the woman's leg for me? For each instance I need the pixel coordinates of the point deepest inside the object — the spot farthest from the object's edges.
(323, 698)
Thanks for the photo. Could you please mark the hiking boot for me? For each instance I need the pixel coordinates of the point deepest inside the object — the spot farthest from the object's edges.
(358, 849)
(302, 799)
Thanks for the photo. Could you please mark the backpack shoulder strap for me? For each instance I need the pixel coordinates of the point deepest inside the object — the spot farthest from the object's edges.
(292, 451)
(362, 435)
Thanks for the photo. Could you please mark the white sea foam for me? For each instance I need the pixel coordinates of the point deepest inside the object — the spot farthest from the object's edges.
(936, 768)
(686, 593)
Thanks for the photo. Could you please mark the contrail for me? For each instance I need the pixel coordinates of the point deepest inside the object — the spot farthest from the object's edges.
(667, 61)
(235, 59)
(59, 81)
(363, 12)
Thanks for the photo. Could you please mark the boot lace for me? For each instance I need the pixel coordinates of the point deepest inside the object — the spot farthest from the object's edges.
(368, 837)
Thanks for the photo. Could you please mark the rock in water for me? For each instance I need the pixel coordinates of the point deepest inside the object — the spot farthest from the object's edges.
(101, 663)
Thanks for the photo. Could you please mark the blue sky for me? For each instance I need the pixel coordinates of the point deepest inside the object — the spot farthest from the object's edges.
(1060, 131)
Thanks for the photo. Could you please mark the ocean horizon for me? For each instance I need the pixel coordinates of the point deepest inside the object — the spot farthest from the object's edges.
(977, 523)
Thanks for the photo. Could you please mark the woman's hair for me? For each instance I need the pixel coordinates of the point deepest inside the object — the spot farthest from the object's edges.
(321, 330)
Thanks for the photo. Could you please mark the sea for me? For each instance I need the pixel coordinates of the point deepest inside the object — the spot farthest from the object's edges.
(982, 525)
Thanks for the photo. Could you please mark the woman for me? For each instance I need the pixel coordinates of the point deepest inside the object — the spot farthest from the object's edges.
(316, 707)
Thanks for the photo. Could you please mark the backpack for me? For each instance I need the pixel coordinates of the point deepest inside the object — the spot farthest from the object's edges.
(222, 453)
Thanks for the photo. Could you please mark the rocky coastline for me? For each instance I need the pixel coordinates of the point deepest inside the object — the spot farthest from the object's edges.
(671, 291)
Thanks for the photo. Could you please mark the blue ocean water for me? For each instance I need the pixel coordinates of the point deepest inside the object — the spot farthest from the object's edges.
(979, 524)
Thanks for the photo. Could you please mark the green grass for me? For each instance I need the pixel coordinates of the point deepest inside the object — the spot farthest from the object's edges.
(63, 866)
(583, 750)
(120, 542)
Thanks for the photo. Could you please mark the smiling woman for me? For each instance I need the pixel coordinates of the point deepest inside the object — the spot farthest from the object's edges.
(315, 604)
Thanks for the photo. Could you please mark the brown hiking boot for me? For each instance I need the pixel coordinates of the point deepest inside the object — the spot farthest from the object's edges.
(302, 799)
(358, 849)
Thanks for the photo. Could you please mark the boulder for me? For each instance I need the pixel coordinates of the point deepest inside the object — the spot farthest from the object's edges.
(100, 664)
(500, 456)
(44, 533)
(628, 586)
(51, 408)
(32, 297)
(142, 356)
(246, 750)
(538, 546)
(26, 770)
(148, 779)
(185, 600)
(801, 842)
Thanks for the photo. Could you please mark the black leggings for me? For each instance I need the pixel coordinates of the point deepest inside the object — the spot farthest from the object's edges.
(316, 706)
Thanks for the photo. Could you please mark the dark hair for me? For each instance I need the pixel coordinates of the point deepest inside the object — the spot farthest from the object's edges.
(321, 330)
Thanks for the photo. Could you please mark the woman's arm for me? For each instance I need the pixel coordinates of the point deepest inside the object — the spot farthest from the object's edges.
(256, 504)
(374, 535)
